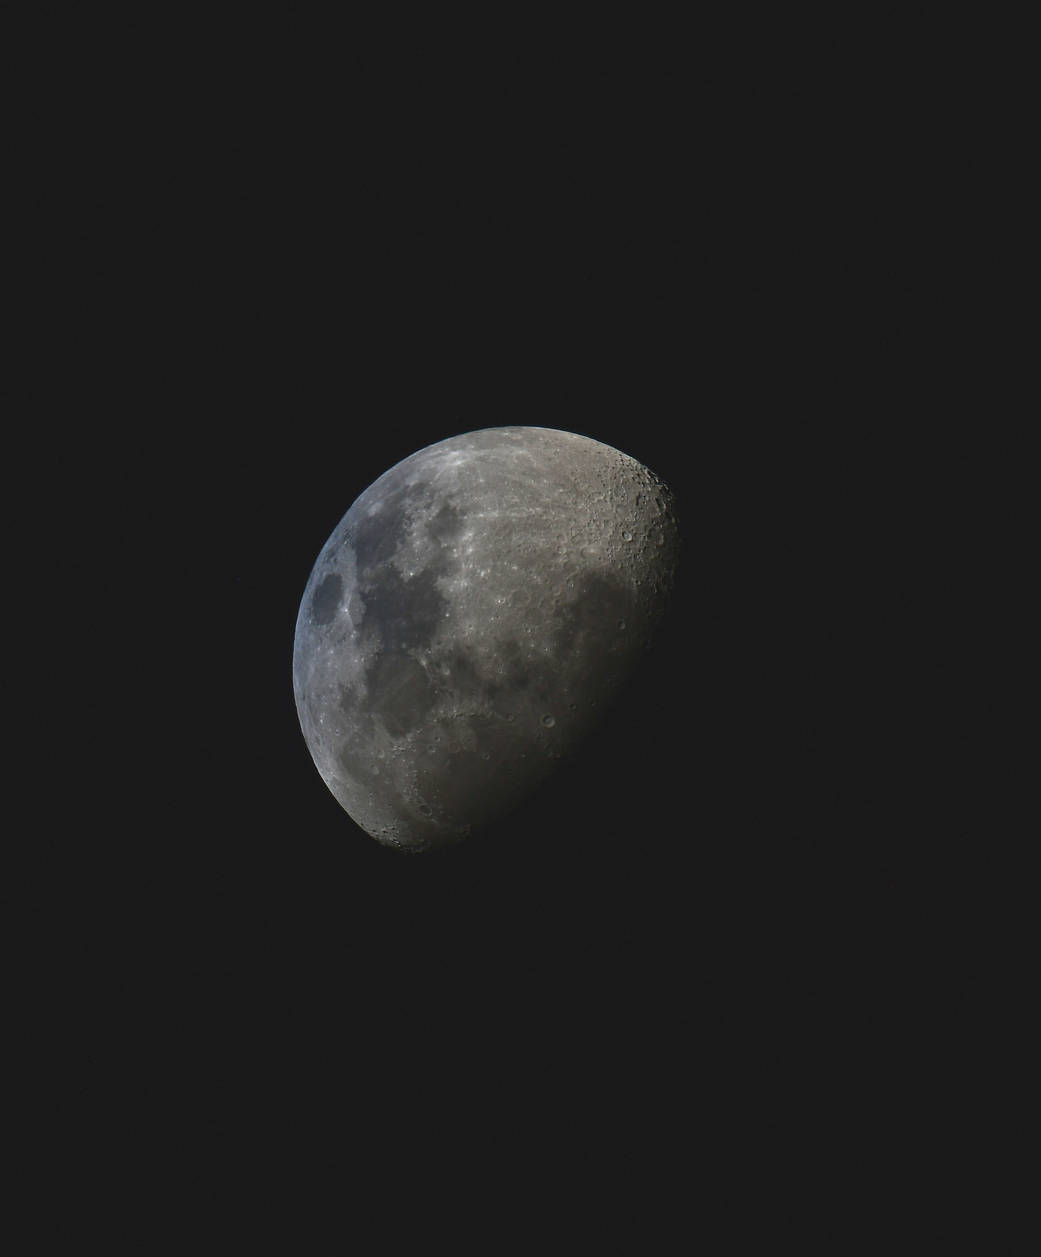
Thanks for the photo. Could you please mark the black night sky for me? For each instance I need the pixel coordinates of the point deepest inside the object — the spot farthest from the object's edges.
(286, 285)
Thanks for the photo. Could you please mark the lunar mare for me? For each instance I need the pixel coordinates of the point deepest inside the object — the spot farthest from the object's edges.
(469, 619)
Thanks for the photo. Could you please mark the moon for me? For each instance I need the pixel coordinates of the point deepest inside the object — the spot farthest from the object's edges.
(470, 619)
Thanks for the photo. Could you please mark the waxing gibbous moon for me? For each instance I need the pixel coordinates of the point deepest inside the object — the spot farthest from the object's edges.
(470, 619)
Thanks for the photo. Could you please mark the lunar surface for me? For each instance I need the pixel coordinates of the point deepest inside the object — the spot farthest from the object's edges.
(469, 621)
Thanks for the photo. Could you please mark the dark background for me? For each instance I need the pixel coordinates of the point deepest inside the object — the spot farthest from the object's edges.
(282, 273)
